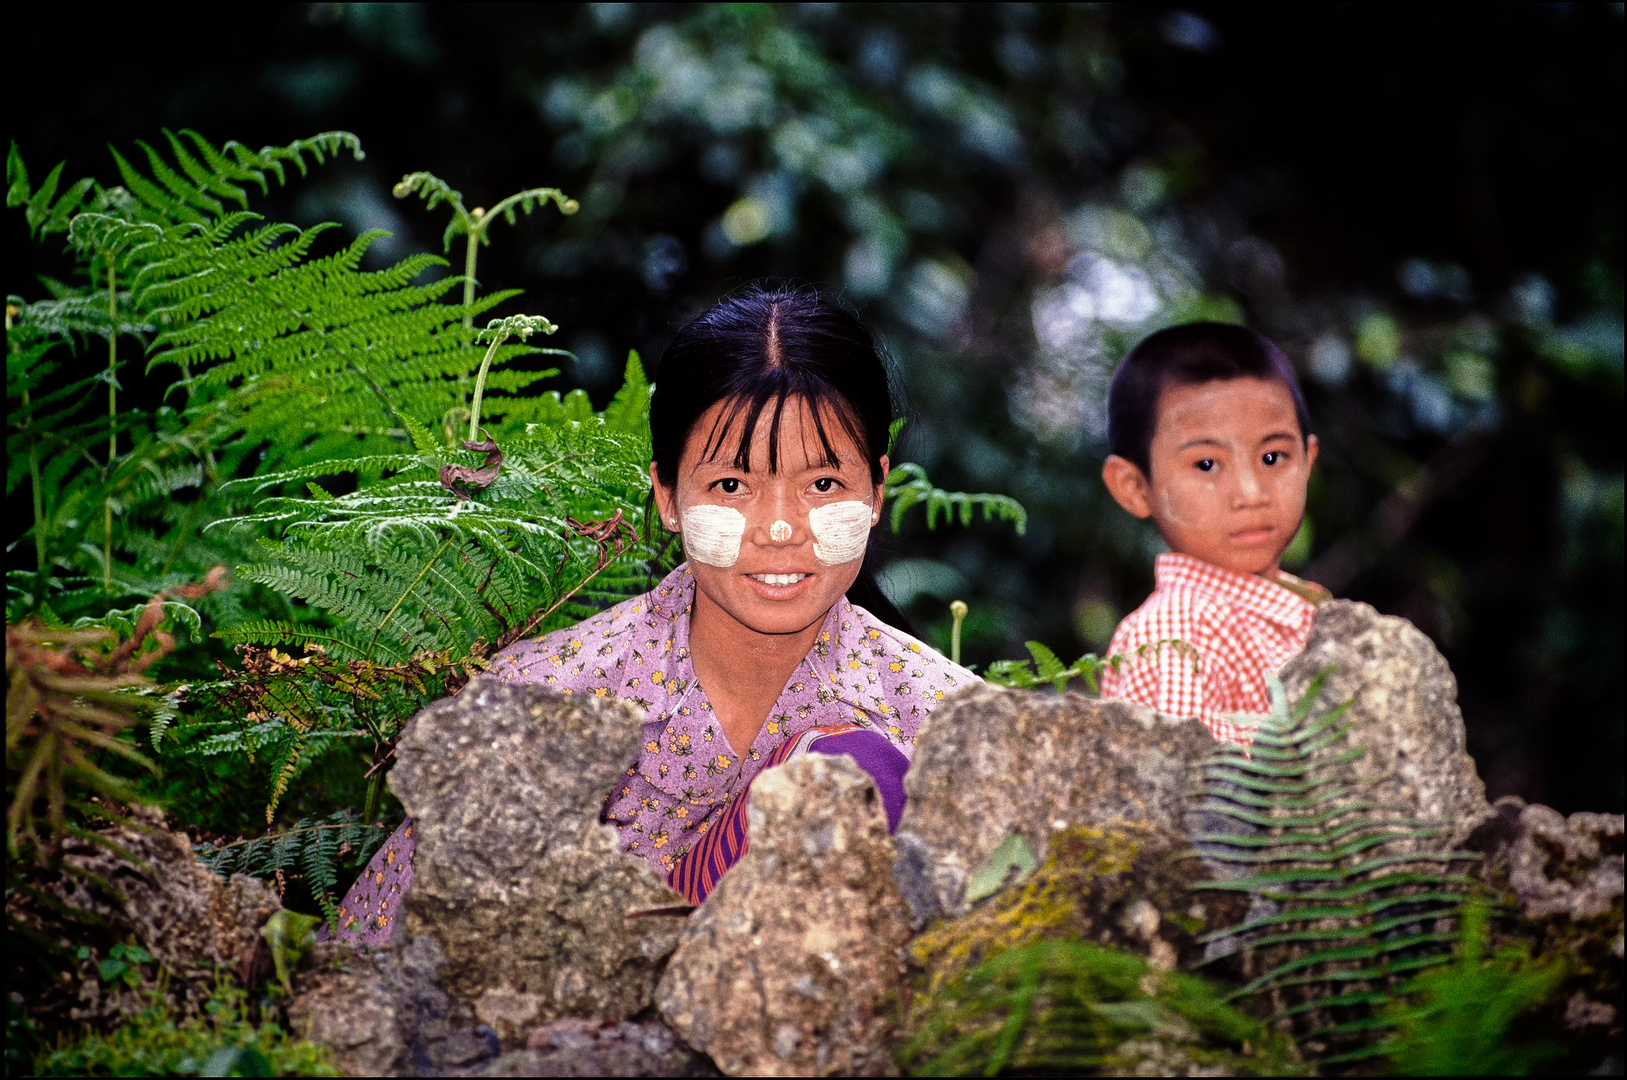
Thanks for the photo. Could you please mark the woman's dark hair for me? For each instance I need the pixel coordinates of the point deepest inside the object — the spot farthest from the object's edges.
(757, 350)
(1185, 356)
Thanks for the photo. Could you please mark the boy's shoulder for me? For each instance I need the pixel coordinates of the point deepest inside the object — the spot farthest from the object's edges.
(1194, 599)
(1177, 601)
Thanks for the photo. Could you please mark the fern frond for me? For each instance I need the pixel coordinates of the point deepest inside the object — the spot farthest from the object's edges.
(1354, 894)
(908, 486)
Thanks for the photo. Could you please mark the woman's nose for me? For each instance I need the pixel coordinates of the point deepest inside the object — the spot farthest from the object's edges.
(779, 518)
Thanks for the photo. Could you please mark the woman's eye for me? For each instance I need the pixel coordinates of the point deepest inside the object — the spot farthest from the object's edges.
(729, 486)
(1206, 464)
(1271, 457)
(824, 485)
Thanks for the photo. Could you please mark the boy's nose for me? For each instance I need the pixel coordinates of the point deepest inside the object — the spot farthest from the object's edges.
(1250, 491)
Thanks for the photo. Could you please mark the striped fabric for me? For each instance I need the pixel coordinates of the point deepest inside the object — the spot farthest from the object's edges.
(725, 840)
(1244, 627)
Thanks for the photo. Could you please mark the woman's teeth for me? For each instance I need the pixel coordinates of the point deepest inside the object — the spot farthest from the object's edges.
(778, 579)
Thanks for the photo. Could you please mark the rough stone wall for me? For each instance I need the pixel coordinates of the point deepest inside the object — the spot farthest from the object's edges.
(792, 967)
(991, 762)
(193, 921)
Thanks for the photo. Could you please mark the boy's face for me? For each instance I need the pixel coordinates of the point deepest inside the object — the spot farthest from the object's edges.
(1229, 472)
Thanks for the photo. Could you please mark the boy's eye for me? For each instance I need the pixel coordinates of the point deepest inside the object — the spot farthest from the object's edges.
(1271, 457)
(1206, 464)
(729, 485)
(824, 485)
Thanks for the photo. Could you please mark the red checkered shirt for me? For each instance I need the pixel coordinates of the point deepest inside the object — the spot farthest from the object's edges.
(1243, 628)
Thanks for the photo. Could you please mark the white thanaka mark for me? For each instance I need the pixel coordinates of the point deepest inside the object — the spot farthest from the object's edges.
(712, 534)
(780, 532)
(841, 531)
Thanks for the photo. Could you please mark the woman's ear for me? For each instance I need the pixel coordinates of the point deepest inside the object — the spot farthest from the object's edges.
(1128, 485)
(881, 488)
(1312, 448)
(666, 504)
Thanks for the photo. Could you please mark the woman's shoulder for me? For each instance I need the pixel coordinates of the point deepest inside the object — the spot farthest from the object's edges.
(639, 622)
(902, 653)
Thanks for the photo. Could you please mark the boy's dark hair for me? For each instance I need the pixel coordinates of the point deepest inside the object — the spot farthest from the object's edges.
(1185, 356)
(755, 351)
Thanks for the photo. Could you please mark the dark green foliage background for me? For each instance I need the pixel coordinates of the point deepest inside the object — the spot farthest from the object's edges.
(1430, 192)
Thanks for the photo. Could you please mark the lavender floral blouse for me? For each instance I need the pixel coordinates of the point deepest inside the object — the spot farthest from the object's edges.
(860, 671)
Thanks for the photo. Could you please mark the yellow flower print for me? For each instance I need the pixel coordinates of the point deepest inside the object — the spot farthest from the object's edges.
(896, 666)
(661, 838)
(652, 747)
(913, 647)
(659, 677)
(600, 691)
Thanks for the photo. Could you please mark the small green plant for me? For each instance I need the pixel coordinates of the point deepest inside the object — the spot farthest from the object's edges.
(1459, 1019)
(121, 965)
(1073, 1006)
(1046, 667)
(223, 1041)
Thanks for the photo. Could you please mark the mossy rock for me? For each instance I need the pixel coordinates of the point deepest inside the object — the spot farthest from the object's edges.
(1073, 969)
(1126, 885)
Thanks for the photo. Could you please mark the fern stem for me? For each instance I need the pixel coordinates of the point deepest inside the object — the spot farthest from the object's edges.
(476, 227)
(480, 387)
(112, 415)
(475, 222)
(372, 802)
(33, 469)
(34, 476)
(428, 566)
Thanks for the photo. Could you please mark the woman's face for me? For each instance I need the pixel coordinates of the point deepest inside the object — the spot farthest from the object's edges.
(773, 550)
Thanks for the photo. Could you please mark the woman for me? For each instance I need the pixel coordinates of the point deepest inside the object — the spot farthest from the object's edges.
(769, 429)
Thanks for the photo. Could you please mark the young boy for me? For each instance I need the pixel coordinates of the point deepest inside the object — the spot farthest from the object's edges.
(1208, 433)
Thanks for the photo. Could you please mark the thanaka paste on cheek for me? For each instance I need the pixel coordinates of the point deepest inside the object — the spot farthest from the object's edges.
(712, 534)
(841, 531)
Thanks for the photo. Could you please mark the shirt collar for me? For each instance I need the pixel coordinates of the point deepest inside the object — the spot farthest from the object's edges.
(1255, 594)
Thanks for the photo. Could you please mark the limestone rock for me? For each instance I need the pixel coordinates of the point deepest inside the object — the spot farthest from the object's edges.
(792, 966)
(593, 1048)
(991, 762)
(1405, 710)
(1565, 875)
(354, 1013)
(192, 920)
(381, 1013)
(522, 888)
